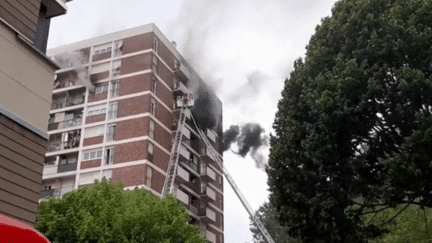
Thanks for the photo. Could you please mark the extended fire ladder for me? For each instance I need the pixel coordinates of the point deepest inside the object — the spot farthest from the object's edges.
(174, 158)
(173, 167)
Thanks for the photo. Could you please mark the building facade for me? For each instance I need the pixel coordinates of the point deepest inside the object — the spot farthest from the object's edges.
(25, 99)
(114, 115)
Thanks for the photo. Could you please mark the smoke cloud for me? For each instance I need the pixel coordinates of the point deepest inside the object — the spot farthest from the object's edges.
(76, 59)
(250, 138)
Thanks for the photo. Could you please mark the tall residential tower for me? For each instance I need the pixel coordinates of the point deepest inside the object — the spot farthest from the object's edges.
(114, 114)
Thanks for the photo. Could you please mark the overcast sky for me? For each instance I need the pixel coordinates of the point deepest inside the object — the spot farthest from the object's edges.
(244, 49)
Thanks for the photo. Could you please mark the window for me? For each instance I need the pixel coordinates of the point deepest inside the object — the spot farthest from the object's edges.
(152, 128)
(101, 68)
(109, 156)
(94, 131)
(149, 176)
(110, 132)
(102, 48)
(113, 108)
(101, 89)
(153, 85)
(118, 48)
(153, 106)
(156, 44)
(155, 63)
(96, 110)
(116, 68)
(150, 148)
(92, 154)
(115, 85)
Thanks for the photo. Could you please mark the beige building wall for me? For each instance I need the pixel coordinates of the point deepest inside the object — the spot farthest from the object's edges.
(26, 80)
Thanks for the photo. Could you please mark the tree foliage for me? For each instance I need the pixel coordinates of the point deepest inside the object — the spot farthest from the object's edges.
(354, 125)
(106, 213)
(268, 216)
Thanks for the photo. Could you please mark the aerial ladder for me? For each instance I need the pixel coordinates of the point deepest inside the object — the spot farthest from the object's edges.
(174, 157)
(173, 166)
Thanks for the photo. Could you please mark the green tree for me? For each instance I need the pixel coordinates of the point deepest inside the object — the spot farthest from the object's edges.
(412, 225)
(106, 213)
(354, 125)
(268, 216)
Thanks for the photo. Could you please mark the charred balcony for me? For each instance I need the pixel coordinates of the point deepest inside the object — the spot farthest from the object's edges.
(67, 119)
(68, 98)
(64, 140)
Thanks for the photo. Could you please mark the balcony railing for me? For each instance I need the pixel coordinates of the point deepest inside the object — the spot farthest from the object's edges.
(193, 166)
(67, 167)
(65, 103)
(50, 169)
(56, 192)
(48, 193)
(72, 143)
(193, 209)
(65, 83)
(65, 124)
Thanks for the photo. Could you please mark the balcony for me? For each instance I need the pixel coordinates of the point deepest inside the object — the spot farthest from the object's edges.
(182, 175)
(209, 216)
(206, 155)
(180, 195)
(211, 236)
(67, 79)
(68, 99)
(56, 192)
(208, 194)
(189, 165)
(65, 120)
(193, 209)
(180, 88)
(184, 153)
(63, 141)
(49, 193)
(66, 167)
(207, 174)
(181, 71)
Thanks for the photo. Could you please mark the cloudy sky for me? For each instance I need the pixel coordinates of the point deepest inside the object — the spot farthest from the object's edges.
(244, 49)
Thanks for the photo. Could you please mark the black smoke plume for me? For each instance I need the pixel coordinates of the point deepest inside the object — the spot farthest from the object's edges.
(250, 138)
(230, 136)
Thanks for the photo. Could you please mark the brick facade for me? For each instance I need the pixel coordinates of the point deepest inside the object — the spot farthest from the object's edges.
(93, 141)
(97, 118)
(90, 164)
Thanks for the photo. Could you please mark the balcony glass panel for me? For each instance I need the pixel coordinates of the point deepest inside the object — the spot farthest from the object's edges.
(67, 167)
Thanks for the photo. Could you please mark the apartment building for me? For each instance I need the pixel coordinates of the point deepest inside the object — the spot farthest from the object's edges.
(114, 114)
(25, 99)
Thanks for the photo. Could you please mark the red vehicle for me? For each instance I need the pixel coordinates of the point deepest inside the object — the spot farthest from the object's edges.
(14, 231)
